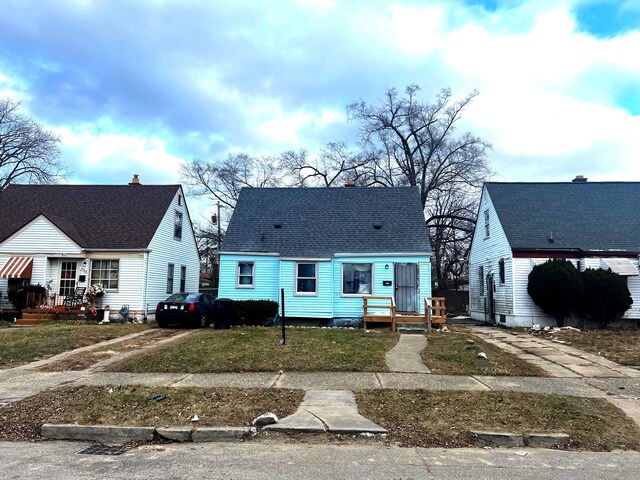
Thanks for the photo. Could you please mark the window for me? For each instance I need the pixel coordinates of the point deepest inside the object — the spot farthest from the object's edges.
(170, 278)
(183, 278)
(177, 226)
(486, 224)
(306, 278)
(179, 200)
(106, 273)
(245, 274)
(357, 278)
(501, 270)
(481, 279)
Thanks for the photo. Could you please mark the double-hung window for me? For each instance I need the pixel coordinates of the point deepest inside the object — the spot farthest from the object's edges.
(486, 224)
(183, 278)
(481, 277)
(170, 269)
(357, 278)
(105, 272)
(306, 278)
(245, 274)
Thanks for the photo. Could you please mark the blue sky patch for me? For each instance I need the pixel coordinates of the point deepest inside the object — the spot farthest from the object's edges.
(608, 18)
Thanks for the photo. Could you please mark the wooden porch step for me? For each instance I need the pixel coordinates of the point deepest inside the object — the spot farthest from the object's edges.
(28, 321)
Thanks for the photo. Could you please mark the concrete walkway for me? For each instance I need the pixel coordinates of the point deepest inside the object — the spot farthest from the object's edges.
(405, 356)
(557, 359)
(333, 411)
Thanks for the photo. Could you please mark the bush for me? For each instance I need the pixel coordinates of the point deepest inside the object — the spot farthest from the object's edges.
(556, 287)
(606, 296)
(18, 296)
(254, 312)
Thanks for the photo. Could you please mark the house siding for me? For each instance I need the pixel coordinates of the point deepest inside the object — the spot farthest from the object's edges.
(165, 249)
(351, 306)
(310, 306)
(487, 252)
(39, 237)
(266, 270)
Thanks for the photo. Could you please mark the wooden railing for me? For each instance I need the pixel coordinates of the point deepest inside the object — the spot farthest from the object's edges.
(372, 314)
(436, 311)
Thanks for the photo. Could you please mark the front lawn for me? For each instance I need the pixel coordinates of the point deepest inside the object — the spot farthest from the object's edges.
(421, 418)
(620, 346)
(450, 354)
(133, 405)
(259, 350)
(48, 339)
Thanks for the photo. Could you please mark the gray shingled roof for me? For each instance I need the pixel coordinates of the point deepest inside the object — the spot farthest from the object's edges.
(591, 216)
(94, 216)
(323, 221)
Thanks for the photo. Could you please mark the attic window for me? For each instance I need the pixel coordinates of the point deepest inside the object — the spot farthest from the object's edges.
(486, 224)
(377, 226)
(277, 226)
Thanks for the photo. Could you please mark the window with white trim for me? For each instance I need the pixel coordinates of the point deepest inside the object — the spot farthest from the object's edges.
(481, 275)
(486, 223)
(183, 278)
(106, 273)
(170, 269)
(357, 278)
(245, 274)
(306, 278)
(177, 226)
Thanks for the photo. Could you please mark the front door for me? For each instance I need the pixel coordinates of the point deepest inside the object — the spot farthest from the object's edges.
(68, 278)
(491, 306)
(407, 292)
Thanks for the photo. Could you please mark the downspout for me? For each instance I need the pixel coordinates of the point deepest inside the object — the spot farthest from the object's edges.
(144, 284)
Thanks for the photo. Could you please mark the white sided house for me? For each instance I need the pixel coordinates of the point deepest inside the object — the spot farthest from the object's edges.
(593, 225)
(136, 240)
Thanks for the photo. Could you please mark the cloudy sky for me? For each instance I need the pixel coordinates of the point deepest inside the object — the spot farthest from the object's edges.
(138, 86)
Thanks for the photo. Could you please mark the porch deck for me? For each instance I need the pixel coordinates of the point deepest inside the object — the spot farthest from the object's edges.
(383, 310)
(35, 316)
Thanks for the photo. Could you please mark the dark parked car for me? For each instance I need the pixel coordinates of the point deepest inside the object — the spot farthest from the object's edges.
(186, 308)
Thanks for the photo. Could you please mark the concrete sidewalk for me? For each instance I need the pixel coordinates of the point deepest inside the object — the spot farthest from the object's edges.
(557, 359)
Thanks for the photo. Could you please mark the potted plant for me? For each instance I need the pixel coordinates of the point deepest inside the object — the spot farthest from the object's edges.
(95, 293)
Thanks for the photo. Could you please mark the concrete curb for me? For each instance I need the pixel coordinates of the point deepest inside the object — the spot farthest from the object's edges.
(513, 440)
(110, 434)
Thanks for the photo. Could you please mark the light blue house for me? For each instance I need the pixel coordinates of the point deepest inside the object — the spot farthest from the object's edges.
(327, 248)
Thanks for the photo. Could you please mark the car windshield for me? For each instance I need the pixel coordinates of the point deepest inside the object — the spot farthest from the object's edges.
(183, 297)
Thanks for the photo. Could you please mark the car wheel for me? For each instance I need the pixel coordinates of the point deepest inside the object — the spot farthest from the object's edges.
(204, 321)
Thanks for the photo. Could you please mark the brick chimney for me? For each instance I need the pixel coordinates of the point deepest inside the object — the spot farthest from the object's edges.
(579, 179)
(349, 183)
(135, 180)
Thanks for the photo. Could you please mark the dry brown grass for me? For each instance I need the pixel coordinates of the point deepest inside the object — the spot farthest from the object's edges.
(449, 354)
(259, 350)
(132, 405)
(620, 346)
(420, 418)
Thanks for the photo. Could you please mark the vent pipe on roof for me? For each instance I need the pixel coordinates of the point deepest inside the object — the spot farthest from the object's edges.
(579, 179)
(135, 180)
(349, 183)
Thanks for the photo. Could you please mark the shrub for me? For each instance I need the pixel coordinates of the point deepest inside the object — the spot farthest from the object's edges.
(254, 312)
(606, 296)
(18, 295)
(556, 287)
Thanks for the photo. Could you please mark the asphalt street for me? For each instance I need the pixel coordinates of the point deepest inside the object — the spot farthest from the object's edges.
(258, 460)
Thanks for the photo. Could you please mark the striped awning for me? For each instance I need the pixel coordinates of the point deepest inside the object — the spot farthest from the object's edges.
(17, 267)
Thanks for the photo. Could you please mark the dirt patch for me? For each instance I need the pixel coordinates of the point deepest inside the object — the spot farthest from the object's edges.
(420, 418)
(83, 360)
(132, 405)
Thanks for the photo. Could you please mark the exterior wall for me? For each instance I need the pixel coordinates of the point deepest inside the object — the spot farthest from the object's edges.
(266, 282)
(487, 252)
(351, 305)
(308, 306)
(271, 274)
(164, 249)
(39, 236)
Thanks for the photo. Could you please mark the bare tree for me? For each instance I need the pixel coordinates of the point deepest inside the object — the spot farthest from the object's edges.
(222, 180)
(334, 164)
(28, 152)
(416, 143)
